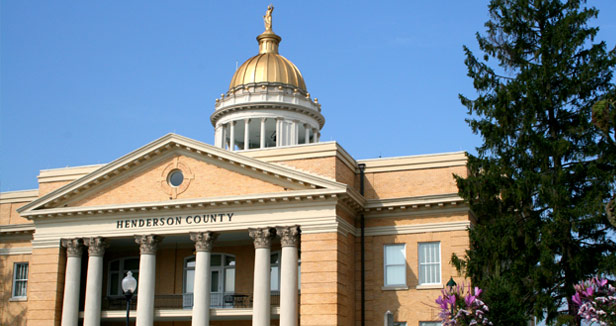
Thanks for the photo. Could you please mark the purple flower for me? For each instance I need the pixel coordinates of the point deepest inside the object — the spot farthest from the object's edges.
(469, 299)
(576, 298)
(442, 303)
(478, 291)
(588, 292)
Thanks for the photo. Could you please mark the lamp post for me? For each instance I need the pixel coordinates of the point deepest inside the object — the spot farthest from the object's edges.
(450, 284)
(129, 285)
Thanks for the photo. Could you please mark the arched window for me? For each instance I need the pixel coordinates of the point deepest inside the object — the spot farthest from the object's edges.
(117, 270)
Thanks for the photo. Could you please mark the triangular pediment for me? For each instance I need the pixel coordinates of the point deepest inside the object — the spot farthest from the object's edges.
(142, 176)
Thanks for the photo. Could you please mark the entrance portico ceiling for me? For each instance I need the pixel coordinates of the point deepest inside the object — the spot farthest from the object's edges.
(299, 186)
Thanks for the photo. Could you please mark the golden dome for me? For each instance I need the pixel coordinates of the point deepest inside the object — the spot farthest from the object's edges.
(268, 66)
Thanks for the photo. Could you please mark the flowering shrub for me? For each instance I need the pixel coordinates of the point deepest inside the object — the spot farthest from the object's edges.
(462, 308)
(596, 299)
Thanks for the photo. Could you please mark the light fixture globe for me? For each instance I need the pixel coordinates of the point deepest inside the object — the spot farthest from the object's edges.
(129, 283)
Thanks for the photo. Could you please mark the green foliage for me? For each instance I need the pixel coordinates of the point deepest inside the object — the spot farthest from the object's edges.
(545, 172)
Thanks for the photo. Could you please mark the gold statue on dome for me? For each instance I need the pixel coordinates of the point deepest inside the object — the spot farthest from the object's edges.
(267, 19)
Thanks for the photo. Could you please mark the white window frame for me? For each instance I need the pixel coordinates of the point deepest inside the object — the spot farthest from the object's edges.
(386, 265)
(430, 323)
(272, 288)
(121, 274)
(419, 264)
(16, 279)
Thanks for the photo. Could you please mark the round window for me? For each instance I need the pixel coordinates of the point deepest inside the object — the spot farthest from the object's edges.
(175, 178)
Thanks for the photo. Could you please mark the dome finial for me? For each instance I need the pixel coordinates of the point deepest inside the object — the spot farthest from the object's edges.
(268, 40)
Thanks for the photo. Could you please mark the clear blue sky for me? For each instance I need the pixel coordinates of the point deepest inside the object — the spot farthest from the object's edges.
(85, 82)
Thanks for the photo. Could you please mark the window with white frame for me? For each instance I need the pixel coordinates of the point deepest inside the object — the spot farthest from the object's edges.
(117, 270)
(429, 263)
(395, 265)
(20, 280)
(429, 323)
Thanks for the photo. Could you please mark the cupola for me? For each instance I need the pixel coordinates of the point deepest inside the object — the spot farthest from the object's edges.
(267, 104)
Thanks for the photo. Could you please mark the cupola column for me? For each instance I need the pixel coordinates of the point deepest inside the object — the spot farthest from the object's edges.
(262, 308)
(94, 281)
(232, 135)
(262, 134)
(289, 240)
(148, 245)
(307, 134)
(246, 134)
(219, 136)
(72, 281)
(279, 132)
(201, 293)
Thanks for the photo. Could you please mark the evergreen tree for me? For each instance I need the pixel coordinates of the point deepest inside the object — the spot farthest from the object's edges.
(542, 178)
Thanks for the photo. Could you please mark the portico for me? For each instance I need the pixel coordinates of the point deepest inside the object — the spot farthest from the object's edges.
(256, 305)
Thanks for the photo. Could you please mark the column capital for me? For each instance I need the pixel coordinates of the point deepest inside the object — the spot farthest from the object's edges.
(289, 235)
(262, 237)
(148, 244)
(96, 246)
(74, 247)
(204, 241)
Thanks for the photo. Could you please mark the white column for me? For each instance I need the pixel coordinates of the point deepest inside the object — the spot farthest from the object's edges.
(289, 239)
(94, 281)
(232, 136)
(307, 134)
(218, 140)
(148, 244)
(246, 134)
(201, 292)
(261, 306)
(318, 136)
(262, 140)
(225, 132)
(278, 132)
(72, 281)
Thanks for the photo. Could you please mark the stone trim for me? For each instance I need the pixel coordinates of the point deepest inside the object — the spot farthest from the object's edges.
(96, 246)
(204, 241)
(16, 251)
(289, 235)
(74, 247)
(148, 244)
(262, 237)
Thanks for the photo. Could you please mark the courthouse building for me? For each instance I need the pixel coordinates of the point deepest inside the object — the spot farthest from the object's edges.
(268, 226)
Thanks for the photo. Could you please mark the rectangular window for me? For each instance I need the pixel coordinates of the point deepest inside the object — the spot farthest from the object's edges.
(430, 263)
(395, 265)
(429, 323)
(20, 280)
(399, 323)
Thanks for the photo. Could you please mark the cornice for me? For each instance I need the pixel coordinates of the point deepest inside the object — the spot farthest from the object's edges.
(16, 229)
(415, 162)
(429, 201)
(19, 196)
(199, 203)
(66, 174)
(417, 228)
(261, 105)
